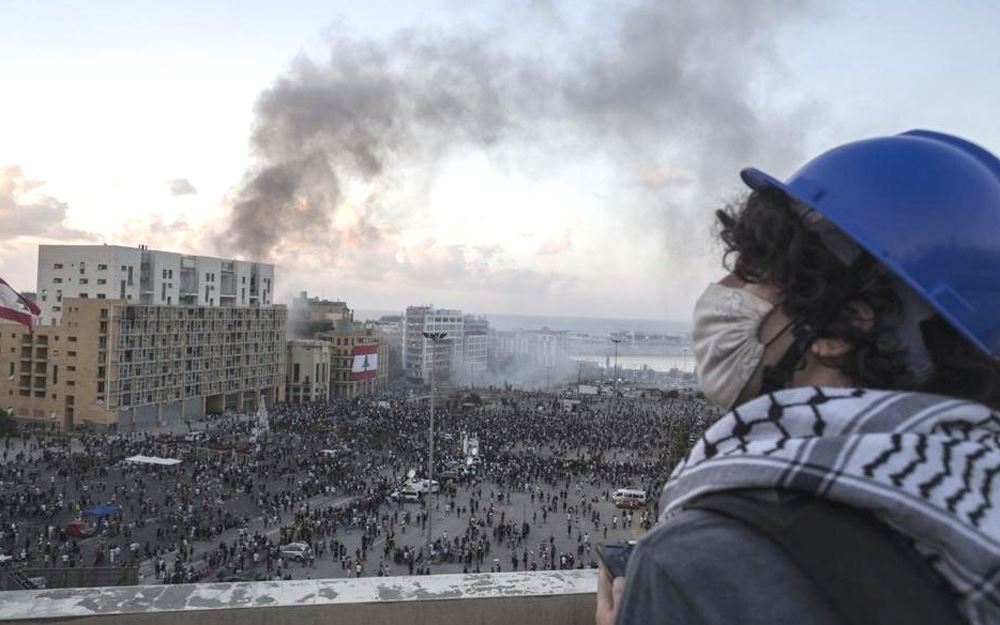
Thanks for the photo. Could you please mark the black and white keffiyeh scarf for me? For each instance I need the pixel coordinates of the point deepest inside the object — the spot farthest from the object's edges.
(927, 465)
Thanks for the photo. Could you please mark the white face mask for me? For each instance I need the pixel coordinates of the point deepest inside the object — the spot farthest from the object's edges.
(727, 348)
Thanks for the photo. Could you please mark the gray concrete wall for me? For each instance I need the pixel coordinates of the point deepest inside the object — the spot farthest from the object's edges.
(171, 413)
(145, 417)
(541, 598)
(193, 408)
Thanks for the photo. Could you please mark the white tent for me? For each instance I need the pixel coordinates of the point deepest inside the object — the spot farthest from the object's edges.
(163, 462)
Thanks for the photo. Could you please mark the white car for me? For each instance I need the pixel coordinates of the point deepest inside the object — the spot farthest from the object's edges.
(295, 551)
(421, 485)
(406, 495)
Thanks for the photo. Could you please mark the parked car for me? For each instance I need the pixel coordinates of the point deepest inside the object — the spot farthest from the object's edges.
(295, 551)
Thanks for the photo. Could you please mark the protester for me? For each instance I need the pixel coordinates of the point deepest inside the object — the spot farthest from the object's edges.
(324, 476)
(840, 489)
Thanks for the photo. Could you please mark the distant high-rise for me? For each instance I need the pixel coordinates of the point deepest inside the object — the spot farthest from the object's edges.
(459, 357)
(143, 276)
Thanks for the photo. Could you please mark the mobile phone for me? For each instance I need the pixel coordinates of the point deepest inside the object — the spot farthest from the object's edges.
(615, 557)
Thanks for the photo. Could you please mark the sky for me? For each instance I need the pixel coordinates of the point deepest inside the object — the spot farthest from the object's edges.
(536, 157)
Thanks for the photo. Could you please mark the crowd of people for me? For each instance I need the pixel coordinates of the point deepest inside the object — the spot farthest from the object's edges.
(324, 478)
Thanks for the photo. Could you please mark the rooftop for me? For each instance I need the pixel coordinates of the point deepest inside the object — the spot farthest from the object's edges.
(543, 597)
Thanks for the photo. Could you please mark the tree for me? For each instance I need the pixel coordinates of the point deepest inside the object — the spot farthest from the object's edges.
(7, 424)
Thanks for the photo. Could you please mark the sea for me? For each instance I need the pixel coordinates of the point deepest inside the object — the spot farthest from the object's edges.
(684, 363)
(593, 326)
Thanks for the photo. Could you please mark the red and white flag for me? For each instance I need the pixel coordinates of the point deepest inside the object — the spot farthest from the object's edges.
(15, 307)
(365, 364)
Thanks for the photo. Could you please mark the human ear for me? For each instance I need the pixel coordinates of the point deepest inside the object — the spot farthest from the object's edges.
(864, 315)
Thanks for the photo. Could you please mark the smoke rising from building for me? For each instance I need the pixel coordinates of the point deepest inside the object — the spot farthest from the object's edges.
(669, 92)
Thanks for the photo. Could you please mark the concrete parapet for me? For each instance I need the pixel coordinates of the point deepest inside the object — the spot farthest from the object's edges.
(542, 598)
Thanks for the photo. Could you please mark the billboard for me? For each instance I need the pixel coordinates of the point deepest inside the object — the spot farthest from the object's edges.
(365, 363)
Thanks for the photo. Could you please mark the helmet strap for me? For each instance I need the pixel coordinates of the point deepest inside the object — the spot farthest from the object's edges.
(777, 376)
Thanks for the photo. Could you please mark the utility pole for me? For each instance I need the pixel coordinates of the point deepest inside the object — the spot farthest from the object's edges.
(435, 338)
(616, 342)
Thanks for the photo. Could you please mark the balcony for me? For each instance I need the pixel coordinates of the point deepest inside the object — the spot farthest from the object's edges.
(540, 598)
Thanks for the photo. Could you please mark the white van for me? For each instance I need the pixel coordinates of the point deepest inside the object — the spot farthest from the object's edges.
(629, 498)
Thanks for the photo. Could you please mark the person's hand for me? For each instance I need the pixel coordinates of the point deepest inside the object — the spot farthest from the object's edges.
(609, 597)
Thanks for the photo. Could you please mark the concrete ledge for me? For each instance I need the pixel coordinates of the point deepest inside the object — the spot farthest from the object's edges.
(543, 597)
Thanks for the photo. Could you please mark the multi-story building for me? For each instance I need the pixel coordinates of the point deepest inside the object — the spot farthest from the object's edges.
(308, 376)
(420, 354)
(359, 363)
(459, 357)
(312, 315)
(145, 276)
(391, 331)
(547, 348)
(114, 364)
(475, 347)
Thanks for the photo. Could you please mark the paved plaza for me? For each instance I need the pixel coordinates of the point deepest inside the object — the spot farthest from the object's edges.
(324, 476)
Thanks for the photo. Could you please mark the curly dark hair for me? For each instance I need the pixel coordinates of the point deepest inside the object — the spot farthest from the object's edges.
(765, 241)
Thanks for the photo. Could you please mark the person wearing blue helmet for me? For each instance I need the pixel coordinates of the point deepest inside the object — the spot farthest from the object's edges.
(856, 475)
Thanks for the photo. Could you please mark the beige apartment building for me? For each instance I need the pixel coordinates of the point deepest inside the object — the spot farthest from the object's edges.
(346, 340)
(308, 371)
(118, 365)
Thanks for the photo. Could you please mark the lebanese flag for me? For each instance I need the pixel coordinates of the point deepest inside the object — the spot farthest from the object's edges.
(365, 365)
(14, 307)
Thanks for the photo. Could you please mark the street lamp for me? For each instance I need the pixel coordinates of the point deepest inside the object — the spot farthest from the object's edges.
(616, 342)
(435, 338)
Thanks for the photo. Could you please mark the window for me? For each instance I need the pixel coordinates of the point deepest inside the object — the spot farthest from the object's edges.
(102, 267)
(101, 296)
(295, 376)
(83, 296)
(55, 375)
(72, 339)
(83, 267)
(57, 266)
(84, 281)
(57, 280)
(122, 295)
(57, 309)
(130, 275)
(101, 281)
(170, 274)
(164, 274)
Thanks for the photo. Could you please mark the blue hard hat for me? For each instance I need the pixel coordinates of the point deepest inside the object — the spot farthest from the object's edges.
(927, 206)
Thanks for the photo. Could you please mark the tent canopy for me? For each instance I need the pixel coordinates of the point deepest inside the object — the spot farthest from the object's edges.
(102, 510)
(163, 462)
